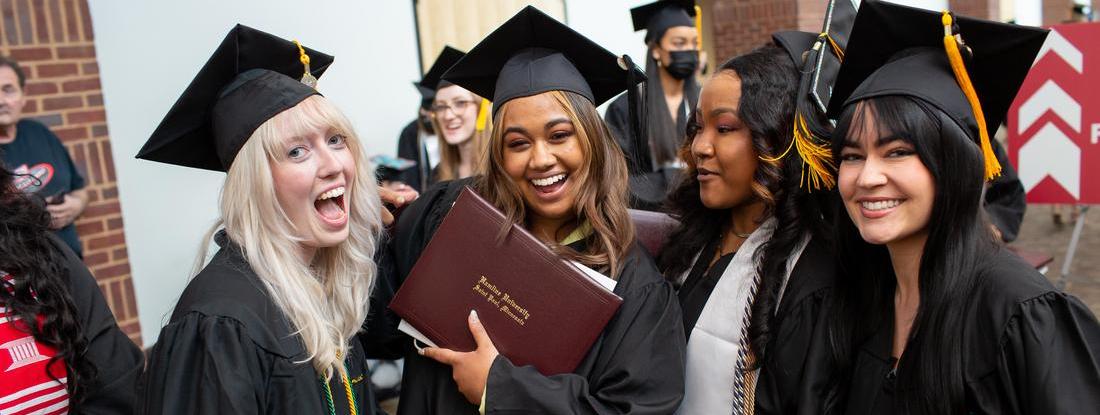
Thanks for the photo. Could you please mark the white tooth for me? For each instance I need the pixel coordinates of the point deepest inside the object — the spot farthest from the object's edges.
(548, 181)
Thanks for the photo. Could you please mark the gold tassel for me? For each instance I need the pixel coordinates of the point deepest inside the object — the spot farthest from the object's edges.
(836, 48)
(307, 77)
(817, 158)
(699, 24)
(483, 115)
(992, 166)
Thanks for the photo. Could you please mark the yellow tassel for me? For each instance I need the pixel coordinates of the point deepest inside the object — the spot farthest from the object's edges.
(836, 48)
(307, 76)
(817, 158)
(699, 24)
(992, 166)
(483, 115)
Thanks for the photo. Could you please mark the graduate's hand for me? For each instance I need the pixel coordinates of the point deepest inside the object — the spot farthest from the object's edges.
(402, 189)
(470, 370)
(395, 199)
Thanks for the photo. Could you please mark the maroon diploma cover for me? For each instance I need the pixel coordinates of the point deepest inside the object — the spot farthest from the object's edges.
(538, 308)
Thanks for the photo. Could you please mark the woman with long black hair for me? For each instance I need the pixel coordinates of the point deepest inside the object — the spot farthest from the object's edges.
(751, 253)
(933, 316)
(75, 358)
(670, 93)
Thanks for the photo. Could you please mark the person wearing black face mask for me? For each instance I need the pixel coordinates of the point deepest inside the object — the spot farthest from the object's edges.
(670, 92)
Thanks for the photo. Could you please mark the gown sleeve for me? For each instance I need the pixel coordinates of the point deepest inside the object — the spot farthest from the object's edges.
(1005, 202)
(797, 374)
(204, 365)
(638, 369)
(118, 361)
(1048, 362)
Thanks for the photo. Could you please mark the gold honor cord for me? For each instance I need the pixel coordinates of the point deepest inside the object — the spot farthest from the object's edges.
(307, 76)
(951, 45)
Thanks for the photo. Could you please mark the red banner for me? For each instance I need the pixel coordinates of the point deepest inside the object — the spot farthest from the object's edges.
(1054, 123)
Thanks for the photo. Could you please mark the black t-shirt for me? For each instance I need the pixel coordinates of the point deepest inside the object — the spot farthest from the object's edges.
(37, 152)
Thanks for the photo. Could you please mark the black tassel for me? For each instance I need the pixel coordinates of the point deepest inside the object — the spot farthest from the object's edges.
(640, 161)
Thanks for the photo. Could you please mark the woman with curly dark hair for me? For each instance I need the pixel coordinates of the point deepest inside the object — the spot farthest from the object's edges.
(75, 358)
(751, 257)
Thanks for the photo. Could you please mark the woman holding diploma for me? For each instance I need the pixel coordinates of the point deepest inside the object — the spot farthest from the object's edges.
(553, 168)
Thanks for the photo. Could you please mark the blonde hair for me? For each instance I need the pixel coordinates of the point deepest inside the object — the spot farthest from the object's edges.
(325, 301)
(602, 194)
(449, 157)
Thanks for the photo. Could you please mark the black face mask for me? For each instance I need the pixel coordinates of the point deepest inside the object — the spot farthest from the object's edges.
(684, 63)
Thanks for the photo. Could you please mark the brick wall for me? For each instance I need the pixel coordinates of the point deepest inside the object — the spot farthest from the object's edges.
(743, 25)
(53, 41)
(982, 9)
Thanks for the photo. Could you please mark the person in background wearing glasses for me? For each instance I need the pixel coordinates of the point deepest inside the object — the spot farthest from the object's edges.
(41, 163)
(460, 120)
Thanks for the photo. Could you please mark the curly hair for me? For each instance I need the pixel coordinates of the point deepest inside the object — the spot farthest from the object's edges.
(38, 290)
(769, 83)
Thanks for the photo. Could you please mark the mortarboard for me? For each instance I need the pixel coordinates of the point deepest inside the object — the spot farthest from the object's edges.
(433, 80)
(657, 17)
(900, 50)
(532, 53)
(251, 77)
(818, 58)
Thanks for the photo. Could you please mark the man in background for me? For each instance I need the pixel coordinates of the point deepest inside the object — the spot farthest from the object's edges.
(42, 164)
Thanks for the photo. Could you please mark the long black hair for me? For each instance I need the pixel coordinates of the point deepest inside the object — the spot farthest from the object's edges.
(664, 137)
(930, 374)
(38, 287)
(769, 82)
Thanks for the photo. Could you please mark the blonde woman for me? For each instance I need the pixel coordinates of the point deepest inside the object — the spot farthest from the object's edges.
(269, 324)
(554, 168)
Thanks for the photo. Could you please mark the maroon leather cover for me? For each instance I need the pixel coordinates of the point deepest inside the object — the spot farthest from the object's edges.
(537, 308)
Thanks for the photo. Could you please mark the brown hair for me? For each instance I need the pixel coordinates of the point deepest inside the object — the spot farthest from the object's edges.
(602, 193)
(449, 157)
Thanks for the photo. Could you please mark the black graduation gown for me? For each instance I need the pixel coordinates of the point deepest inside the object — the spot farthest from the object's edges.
(796, 374)
(636, 365)
(1005, 199)
(1027, 349)
(648, 189)
(229, 349)
(118, 360)
(409, 147)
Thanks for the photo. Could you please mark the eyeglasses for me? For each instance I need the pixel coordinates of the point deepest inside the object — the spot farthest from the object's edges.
(456, 107)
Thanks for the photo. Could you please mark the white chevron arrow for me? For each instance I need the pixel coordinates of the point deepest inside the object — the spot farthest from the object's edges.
(1050, 153)
(1049, 97)
(1065, 50)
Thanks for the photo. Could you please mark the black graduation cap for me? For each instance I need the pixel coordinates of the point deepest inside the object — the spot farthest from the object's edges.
(657, 17)
(900, 50)
(433, 80)
(251, 77)
(427, 96)
(532, 53)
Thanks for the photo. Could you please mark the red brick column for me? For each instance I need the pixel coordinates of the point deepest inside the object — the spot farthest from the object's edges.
(53, 41)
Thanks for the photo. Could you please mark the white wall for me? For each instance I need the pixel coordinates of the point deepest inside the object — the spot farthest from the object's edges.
(149, 52)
